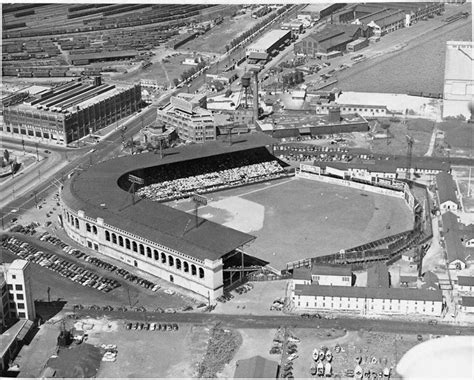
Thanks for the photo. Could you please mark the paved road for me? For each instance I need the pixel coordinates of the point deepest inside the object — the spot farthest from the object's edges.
(253, 321)
(102, 151)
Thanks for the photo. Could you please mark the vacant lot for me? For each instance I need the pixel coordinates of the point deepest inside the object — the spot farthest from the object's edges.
(217, 38)
(296, 219)
(419, 129)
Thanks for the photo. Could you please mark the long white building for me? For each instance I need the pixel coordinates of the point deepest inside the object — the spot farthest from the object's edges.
(404, 301)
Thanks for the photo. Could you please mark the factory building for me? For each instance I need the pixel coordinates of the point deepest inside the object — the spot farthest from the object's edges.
(188, 114)
(270, 42)
(331, 38)
(458, 79)
(68, 112)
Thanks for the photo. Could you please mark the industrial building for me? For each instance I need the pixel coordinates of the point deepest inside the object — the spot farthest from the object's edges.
(187, 113)
(68, 112)
(452, 235)
(306, 123)
(388, 17)
(331, 38)
(376, 298)
(85, 59)
(458, 79)
(314, 12)
(270, 42)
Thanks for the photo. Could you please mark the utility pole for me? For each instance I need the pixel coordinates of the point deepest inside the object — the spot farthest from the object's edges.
(23, 143)
(49, 294)
(37, 155)
(410, 142)
(36, 199)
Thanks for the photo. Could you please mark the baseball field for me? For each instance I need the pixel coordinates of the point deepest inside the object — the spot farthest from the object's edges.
(297, 218)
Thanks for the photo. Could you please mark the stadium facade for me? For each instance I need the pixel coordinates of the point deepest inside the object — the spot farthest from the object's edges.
(97, 212)
(68, 112)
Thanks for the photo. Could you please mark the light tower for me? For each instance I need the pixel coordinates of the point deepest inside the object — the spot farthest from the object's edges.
(410, 142)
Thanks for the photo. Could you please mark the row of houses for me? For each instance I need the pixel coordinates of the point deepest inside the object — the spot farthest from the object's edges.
(325, 288)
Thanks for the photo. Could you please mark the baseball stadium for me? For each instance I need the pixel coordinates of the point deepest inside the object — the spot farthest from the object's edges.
(205, 217)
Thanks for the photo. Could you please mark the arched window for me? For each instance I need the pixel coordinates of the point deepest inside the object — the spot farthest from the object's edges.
(114, 238)
(127, 243)
(134, 246)
(178, 264)
(120, 240)
(163, 258)
(94, 230)
(107, 235)
(201, 273)
(77, 223)
(186, 266)
(148, 252)
(67, 216)
(171, 278)
(88, 227)
(193, 270)
(170, 261)
(156, 255)
(142, 249)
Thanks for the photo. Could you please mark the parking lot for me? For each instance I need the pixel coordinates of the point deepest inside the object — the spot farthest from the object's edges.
(71, 275)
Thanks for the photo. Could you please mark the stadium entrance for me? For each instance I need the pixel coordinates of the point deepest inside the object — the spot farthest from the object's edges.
(237, 266)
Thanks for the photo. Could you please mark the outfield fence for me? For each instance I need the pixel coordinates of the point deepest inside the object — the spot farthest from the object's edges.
(388, 249)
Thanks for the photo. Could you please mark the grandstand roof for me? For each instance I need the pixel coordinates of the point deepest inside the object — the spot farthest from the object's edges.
(89, 190)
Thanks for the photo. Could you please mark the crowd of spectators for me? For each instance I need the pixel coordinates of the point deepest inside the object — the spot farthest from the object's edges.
(172, 182)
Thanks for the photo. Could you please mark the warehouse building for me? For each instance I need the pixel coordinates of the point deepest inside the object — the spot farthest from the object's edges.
(456, 253)
(332, 38)
(314, 12)
(85, 59)
(447, 197)
(458, 79)
(270, 42)
(68, 112)
(188, 114)
(368, 300)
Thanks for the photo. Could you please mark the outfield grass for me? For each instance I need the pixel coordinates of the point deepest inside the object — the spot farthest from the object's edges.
(297, 218)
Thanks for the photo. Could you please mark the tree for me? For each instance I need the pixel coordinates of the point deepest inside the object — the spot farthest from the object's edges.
(175, 81)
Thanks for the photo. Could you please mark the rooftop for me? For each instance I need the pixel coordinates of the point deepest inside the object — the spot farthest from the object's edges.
(269, 39)
(105, 54)
(452, 236)
(376, 293)
(256, 367)
(459, 61)
(467, 301)
(302, 274)
(90, 189)
(466, 280)
(378, 276)
(324, 270)
(446, 187)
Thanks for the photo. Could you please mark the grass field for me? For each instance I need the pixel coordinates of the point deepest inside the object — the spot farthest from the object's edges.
(418, 67)
(296, 218)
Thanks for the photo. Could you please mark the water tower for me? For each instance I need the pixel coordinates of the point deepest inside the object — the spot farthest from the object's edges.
(245, 80)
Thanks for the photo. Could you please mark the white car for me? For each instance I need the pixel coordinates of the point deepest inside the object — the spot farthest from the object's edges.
(168, 291)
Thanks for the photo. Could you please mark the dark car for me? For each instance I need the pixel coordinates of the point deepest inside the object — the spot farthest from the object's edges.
(175, 327)
(129, 326)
